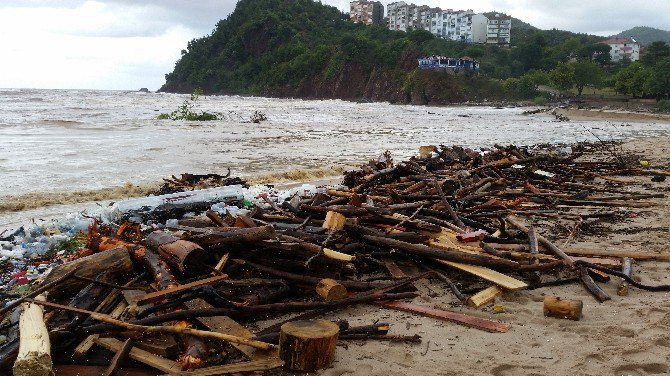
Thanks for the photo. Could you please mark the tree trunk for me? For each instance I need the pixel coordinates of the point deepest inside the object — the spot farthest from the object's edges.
(34, 357)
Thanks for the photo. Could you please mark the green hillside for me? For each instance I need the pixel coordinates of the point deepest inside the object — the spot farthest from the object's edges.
(645, 35)
(302, 48)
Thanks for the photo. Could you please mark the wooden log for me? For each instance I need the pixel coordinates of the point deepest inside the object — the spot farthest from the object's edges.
(216, 238)
(195, 349)
(308, 345)
(115, 261)
(626, 268)
(546, 243)
(484, 297)
(34, 358)
(329, 289)
(334, 221)
(591, 286)
(188, 257)
(157, 296)
(563, 308)
(443, 254)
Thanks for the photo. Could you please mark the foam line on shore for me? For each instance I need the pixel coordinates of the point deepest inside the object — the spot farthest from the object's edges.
(34, 200)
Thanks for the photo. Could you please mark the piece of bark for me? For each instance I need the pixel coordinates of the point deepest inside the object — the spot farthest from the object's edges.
(34, 358)
(329, 289)
(308, 345)
(563, 308)
(626, 268)
(334, 221)
(115, 261)
(484, 297)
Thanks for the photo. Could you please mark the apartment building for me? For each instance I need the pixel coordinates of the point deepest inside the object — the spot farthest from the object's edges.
(367, 12)
(498, 28)
(623, 48)
(460, 25)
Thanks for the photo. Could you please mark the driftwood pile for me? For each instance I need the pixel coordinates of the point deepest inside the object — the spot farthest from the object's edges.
(180, 300)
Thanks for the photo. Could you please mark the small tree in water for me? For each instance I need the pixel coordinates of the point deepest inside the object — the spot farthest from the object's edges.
(185, 111)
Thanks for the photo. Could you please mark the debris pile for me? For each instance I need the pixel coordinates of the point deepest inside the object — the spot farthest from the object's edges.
(174, 281)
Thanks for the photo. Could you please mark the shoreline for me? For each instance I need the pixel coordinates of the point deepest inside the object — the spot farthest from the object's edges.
(615, 115)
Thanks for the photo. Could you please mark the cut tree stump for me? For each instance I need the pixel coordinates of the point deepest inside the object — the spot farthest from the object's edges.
(334, 221)
(308, 345)
(563, 308)
(34, 357)
(329, 289)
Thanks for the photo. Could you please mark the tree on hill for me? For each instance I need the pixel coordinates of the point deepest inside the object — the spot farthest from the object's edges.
(562, 77)
(654, 53)
(585, 73)
(658, 83)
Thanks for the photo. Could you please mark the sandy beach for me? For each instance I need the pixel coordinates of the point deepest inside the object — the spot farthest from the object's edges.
(628, 335)
(613, 115)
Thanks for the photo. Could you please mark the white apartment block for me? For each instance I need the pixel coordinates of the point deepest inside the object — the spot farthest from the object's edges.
(461, 25)
(623, 48)
(498, 28)
(367, 12)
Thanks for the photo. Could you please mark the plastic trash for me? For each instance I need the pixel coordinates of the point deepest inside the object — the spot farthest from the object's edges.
(35, 248)
(146, 205)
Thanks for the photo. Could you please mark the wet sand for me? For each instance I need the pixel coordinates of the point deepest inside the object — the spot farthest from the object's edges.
(613, 115)
(628, 335)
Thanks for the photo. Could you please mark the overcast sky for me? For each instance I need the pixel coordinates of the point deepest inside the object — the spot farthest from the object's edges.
(126, 44)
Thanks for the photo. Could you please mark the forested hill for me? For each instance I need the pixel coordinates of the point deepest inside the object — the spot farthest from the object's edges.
(302, 48)
(645, 35)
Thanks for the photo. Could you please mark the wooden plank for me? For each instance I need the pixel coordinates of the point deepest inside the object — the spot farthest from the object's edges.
(490, 275)
(141, 356)
(254, 365)
(157, 296)
(162, 345)
(455, 317)
(226, 325)
(88, 342)
(484, 297)
(393, 269)
(81, 370)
